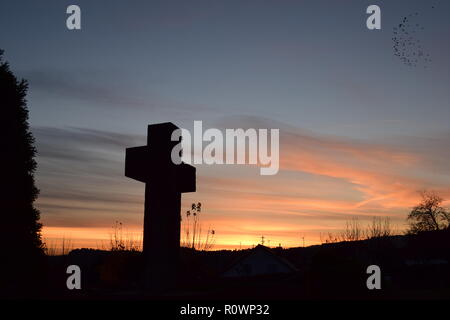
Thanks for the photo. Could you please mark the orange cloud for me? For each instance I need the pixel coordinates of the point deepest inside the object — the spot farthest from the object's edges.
(323, 181)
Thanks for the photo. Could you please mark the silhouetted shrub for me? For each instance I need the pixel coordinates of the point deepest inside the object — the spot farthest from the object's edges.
(22, 249)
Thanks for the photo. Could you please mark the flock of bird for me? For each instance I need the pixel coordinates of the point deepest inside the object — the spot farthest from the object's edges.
(407, 43)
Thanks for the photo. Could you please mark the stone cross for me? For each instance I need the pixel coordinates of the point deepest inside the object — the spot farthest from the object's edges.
(164, 183)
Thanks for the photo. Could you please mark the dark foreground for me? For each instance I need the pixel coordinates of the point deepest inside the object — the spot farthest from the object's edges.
(412, 267)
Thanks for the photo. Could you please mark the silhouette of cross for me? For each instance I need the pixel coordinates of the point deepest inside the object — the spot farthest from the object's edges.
(164, 183)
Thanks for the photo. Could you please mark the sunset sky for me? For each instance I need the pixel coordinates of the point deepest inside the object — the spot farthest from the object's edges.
(360, 132)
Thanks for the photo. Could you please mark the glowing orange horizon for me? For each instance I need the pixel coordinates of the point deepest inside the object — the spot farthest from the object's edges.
(322, 183)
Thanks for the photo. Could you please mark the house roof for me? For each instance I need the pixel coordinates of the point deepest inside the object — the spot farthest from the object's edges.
(282, 260)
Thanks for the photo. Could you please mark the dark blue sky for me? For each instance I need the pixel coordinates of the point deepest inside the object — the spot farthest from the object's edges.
(312, 64)
(308, 66)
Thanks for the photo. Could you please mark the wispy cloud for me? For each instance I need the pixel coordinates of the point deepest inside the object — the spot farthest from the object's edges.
(324, 180)
(81, 87)
(392, 170)
(80, 175)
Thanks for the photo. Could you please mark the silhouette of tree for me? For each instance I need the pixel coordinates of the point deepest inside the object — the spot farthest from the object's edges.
(20, 236)
(428, 215)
